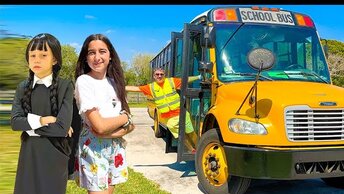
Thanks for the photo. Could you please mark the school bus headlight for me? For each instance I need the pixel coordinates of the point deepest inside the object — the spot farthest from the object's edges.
(246, 127)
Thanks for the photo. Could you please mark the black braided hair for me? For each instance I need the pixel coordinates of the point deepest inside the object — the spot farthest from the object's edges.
(53, 94)
(26, 100)
(40, 42)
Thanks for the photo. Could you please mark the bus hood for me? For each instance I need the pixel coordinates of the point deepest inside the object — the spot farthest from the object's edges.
(274, 100)
(286, 93)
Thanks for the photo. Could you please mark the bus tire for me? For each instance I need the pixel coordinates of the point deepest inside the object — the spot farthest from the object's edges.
(212, 169)
(334, 182)
(158, 133)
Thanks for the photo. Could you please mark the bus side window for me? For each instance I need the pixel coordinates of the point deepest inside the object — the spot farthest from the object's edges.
(197, 50)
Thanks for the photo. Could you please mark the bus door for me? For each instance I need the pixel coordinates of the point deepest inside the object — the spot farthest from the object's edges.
(175, 70)
(192, 106)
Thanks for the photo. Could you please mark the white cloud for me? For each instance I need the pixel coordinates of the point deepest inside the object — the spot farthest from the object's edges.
(76, 45)
(91, 17)
(109, 31)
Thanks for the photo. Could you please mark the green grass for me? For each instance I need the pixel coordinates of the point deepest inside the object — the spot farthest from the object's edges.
(137, 105)
(9, 150)
(10, 144)
(5, 118)
(137, 183)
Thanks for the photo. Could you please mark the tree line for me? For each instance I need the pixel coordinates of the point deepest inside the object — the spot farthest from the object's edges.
(13, 66)
(335, 60)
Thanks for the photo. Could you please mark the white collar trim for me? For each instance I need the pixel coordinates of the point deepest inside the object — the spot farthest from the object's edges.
(47, 81)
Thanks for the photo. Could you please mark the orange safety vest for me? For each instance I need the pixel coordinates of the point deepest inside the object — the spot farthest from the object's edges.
(166, 98)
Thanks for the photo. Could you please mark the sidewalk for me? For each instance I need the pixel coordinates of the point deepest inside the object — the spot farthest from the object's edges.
(146, 154)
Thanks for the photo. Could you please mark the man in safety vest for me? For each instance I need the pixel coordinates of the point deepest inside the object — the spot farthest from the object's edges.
(164, 93)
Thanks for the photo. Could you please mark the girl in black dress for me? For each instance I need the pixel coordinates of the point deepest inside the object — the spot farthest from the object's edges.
(42, 109)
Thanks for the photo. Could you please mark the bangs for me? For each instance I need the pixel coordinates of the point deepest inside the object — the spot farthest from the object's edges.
(39, 43)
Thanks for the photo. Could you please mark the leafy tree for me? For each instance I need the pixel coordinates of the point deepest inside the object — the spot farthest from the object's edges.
(336, 64)
(125, 66)
(13, 65)
(130, 77)
(338, 80)
(336, 67)
(69, 59)
(129, 74)
(141, 68)
(334, 46)
(335, 60)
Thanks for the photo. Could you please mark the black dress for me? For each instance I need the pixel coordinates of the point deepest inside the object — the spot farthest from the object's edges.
(43, 160)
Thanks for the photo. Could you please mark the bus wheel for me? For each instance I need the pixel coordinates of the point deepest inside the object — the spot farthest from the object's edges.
(334, 182)
(157, 128)
(212, 169)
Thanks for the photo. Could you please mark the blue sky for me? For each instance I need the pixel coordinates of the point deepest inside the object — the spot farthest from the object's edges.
(135, 29)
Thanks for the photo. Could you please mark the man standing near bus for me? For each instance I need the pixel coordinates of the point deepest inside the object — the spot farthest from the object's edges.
(164, 93)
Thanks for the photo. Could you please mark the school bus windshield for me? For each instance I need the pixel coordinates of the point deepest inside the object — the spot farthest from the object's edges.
(297, 50)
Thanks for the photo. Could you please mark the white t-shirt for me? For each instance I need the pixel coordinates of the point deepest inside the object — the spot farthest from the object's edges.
(93, 93)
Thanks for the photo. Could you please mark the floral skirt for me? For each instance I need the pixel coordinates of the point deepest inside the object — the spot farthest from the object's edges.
(100, 162)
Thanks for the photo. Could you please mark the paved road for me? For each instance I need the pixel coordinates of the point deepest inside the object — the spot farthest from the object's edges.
(146, 154)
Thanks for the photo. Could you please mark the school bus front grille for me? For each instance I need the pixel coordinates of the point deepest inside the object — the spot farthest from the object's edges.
(305, 124)
(320, 167)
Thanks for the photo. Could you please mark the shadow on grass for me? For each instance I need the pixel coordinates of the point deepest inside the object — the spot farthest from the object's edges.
(188, 167)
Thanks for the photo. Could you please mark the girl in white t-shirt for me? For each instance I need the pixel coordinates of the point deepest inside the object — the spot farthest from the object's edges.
(101, 100)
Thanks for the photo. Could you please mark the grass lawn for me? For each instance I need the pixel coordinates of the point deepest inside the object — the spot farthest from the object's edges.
(9, 150)
(137, 105)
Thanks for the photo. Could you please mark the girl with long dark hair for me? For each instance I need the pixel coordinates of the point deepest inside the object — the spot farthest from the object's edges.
(101, 100)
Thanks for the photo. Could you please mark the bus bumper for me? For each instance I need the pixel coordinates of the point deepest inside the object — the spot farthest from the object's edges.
(284, 165)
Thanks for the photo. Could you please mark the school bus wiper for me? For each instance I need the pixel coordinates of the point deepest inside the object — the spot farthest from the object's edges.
(253, 75)
(306, 74)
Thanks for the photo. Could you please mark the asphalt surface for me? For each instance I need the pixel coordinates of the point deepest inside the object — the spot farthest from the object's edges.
(146, 154)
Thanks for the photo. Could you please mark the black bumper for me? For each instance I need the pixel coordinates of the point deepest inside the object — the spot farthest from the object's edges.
(284, 165)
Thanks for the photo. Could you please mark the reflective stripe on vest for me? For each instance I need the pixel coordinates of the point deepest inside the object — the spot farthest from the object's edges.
(165, 98)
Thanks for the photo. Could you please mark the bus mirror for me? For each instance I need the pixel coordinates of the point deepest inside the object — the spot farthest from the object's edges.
(261, 59)
(208, 37)
(205, 67)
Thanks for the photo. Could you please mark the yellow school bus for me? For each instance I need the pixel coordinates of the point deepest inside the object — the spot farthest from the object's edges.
(265, 107)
